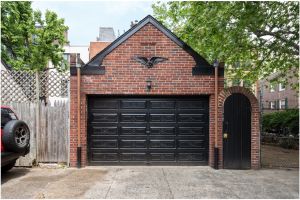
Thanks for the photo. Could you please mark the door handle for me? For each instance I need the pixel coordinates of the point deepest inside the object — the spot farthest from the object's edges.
(225, 135)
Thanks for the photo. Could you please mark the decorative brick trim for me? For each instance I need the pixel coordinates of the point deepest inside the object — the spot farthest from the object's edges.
(255, 117)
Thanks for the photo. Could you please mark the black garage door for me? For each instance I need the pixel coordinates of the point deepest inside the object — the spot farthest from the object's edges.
(143, 130)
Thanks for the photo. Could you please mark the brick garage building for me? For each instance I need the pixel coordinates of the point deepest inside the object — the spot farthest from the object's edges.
(142, 114)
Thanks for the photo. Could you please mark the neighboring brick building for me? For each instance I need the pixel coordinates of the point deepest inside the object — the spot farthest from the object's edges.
(149, 114)
(278, 96)
(106, 36)
(96, 47)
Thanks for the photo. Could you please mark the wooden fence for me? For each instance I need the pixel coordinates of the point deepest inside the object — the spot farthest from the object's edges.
(49, 131)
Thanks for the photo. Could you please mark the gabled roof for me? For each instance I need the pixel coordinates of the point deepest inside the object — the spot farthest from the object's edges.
(94, 66)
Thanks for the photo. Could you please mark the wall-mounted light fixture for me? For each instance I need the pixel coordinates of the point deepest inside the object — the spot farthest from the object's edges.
(148, 84)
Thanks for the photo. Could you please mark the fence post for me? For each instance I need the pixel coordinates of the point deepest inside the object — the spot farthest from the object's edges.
(37, 87)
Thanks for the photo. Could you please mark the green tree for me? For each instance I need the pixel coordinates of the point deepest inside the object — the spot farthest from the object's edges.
(29, 41)
(255, 39)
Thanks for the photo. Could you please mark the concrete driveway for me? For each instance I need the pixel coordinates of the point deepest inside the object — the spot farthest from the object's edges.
(149, 182)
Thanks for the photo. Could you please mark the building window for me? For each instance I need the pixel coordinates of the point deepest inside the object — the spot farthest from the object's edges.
(66, 57)
(272, 87)
(272, 105)
(281, 87)
(282, 104)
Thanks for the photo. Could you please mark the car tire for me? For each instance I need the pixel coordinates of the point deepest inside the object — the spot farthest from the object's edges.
(16, 136)
(8, 166)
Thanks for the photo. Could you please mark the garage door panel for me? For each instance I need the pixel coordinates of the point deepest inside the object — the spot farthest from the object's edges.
(188, 157)
(104, 117)
(102, 143)
(162, 144)
(104, 104)
(148, 130)
(102, 110)
(194, 104)
(95, 130)
(133, 130)
(162, 131)
(191, 144)
(191, 118)
(162, 118)
(111, 157)
(132, 137)
(142, 117)
(133, 144)
(133, 104)
(162, 157)
(133, 157)
(154, 104)
(102, 138)
(200, 131)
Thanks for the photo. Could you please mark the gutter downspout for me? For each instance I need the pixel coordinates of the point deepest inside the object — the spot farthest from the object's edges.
(78, 118)
(216, 150)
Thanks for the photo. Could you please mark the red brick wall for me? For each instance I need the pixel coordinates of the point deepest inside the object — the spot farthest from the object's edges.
(125, 76)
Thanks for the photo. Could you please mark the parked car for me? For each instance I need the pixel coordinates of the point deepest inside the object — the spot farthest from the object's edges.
(15, 137)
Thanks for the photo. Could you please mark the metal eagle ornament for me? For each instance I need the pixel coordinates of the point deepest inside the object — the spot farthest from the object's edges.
(149, 63)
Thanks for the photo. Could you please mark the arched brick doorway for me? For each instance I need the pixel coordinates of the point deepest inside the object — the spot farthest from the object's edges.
(255, 131)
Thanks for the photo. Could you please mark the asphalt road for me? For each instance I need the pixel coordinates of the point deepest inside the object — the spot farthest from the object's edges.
(149, 182)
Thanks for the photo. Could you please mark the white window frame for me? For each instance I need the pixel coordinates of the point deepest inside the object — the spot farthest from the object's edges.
(272, 105)
(282, 104)
(281, 87)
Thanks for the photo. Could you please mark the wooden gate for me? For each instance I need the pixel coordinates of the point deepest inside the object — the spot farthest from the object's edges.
(52, 140)
(237, 132)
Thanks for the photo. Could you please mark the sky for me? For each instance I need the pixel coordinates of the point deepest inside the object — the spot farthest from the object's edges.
(85, 17)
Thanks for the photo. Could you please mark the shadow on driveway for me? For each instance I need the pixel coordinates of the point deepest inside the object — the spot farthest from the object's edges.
(13, 174)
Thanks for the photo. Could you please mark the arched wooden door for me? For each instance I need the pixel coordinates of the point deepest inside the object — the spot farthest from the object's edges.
(237, 132)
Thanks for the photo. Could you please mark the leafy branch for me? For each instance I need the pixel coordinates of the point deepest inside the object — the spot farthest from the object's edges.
(29, 41)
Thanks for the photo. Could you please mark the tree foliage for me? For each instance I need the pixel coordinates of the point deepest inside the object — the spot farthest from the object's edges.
(255, 39)
(282, 120)
(29, 41)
